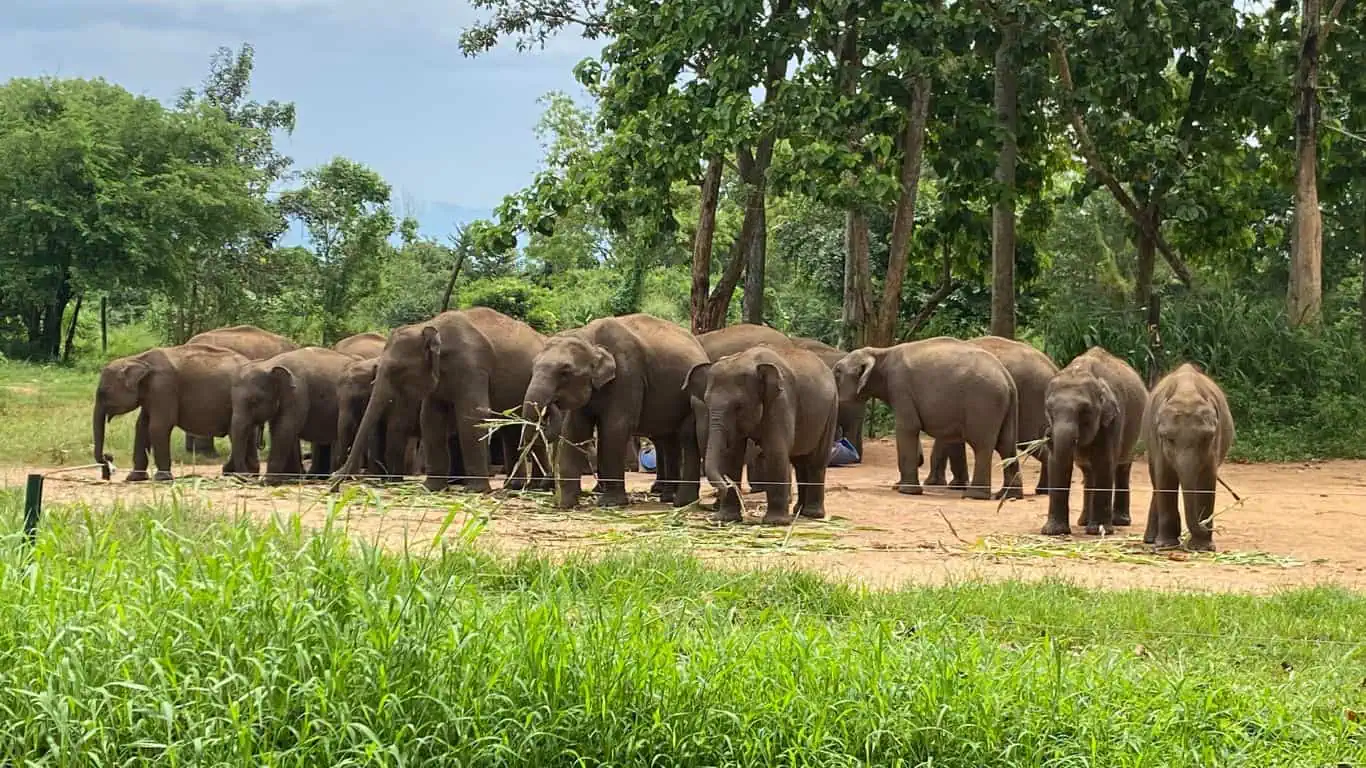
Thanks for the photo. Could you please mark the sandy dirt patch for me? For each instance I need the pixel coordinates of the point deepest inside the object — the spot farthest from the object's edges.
(1298, 524)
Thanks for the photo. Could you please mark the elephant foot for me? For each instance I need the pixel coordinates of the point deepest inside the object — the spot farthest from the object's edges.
(477, 485)
(613, 498)
(812, 511)
(272, 479)
(727, 515)
(136, 476)
(1161, 543)
(1056, 528)
(1201, 545)
(956, 484)
(515, 484)
(686, 495)
(1040, 491)
(163, 476)
(437, 484)
(658, 488)
(934, 481)
(1097, 530)
(977, 494)
(1014, 492)
(668, 495)
(910, 489)
(1123, 521)
(777, 518)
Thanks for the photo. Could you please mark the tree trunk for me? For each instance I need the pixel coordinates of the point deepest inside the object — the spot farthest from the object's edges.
(1147, 258)
(52, 322)
(858, 282)
(450, 284)
(752, 306)
(1363, 262)
(718, 304)
(71, 329)
(703, 242)
(1304, 298)
(1003, 210)
(883, 331)
(104, 325)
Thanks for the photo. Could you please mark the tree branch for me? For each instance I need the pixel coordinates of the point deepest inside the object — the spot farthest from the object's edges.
(932, 303)
(1330, 23)
(1102, 172)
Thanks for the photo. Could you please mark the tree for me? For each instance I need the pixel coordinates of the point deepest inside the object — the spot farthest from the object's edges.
(344, 206)
(100, 190)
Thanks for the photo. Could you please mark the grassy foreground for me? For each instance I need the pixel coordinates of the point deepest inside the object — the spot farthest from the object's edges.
(167, 634)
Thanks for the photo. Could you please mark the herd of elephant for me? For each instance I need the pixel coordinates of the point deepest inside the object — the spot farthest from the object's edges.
(742, 399)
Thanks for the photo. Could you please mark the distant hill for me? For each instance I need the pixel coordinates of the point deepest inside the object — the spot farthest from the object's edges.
(435, 219)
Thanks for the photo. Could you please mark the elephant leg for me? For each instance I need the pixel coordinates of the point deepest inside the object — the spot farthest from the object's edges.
(1164, 520)
(140, 447)
(667, 465)
(980, 487)
(1012, 484)
(1199, 503)
(908, 453)
(468, 413)
(756, 473)
(1100, 492)
(200, 446)
(159, 436)
(1042, 488)
(436, 447)
(321, 465)
(1121, 502)
(689, 483)
(613, 436)
(777, 464)
(1059, 496)
(1087, 498)
(939, 461)
(958, 466)
(285, 460)
(571, 458)
(810, 471)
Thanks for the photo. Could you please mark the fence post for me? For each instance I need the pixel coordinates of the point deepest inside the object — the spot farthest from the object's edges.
(33, 507)
(1153, 324)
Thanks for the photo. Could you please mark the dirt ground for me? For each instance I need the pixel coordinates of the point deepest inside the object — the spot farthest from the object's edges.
(1293, 527)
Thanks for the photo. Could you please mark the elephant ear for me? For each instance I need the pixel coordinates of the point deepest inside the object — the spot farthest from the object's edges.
(1109, 405)
(604, 367)
(771, 381)
(695, 383)
(283, 379)
(431, 351)
(133, 374)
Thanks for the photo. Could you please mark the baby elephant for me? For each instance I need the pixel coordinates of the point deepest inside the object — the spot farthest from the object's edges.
(1188, 430)
(783, 399)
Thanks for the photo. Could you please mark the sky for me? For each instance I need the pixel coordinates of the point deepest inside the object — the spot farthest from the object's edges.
(379, 81)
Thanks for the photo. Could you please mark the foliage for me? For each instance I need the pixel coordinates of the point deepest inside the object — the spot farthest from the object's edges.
(312, 649)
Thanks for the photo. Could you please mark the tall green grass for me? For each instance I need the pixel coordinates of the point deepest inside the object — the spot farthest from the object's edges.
(1295, 394)
(168, 635)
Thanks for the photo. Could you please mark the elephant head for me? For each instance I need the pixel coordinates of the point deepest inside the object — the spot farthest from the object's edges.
(1186, 425)
(734, 393)
(119, 392)
(256, 396)
(409, 369)
(858, 375)
(565, 375)
(1077, 406)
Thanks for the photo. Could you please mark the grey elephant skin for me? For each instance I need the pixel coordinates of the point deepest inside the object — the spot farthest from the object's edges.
(391, 450)
(296, 394)
(249, 341)
(743, 336)
(362, 345)
(621, 377)
(1095, 413)
(460, 367)
(1031, 370)
(1187, 429)
(187, 386)
(945, 387)
(782, 399)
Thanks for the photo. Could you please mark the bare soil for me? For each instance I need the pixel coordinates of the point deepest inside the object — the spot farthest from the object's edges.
(1297, 524)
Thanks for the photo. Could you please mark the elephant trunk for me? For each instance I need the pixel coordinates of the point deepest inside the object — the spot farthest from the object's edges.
(101, 417)
(381, 399)
(717, 449)
(242, 434)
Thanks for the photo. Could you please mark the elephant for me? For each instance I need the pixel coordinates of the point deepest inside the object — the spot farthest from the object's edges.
(728, 341)
(1094, 407)
(621, 376)
(948, 388)
(1031, 370)
(252, 343)
(392, 448)
(296, 393)
(1187, 428)
(362, 345)
(853, 413)
(784, 400)
(187, 386)
(461, 366)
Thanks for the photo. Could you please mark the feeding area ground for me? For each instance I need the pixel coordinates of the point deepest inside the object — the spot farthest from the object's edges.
(1296, 525)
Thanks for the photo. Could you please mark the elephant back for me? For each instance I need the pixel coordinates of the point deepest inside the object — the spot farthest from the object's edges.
(738, 338)
(247, 340)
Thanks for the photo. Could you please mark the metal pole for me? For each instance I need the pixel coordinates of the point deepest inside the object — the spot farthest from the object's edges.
(33, 507)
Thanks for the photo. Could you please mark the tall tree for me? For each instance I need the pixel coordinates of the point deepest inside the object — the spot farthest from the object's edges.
(1003, 207)
(344, 206)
